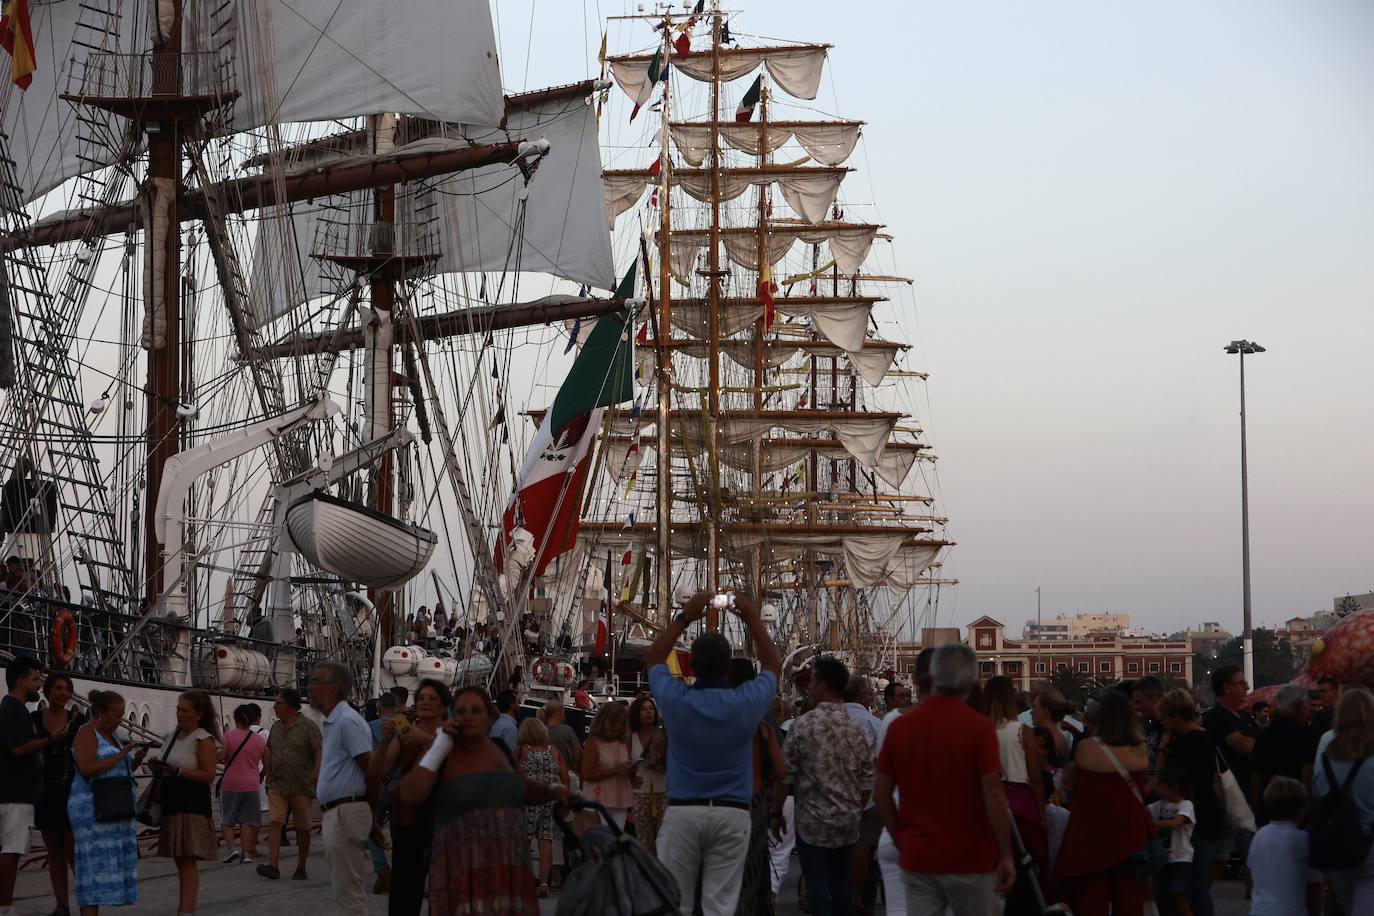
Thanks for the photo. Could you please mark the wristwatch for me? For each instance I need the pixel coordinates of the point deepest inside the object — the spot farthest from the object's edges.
(682, 618)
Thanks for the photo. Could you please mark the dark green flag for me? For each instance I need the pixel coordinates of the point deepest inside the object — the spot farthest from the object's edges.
(603, 373)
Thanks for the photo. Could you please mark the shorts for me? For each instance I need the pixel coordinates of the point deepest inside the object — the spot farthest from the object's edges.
(298, 805)
(16, 820)
(239, 808)
(1172, 880)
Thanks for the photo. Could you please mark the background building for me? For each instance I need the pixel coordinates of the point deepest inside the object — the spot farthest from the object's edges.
(1080, 626)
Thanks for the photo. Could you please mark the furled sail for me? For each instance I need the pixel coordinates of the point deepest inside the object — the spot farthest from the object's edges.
(810, 192)
(827, 142)
(849, 244)
(795, 68)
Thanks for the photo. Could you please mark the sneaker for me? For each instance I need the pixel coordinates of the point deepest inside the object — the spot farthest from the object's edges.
(246, 859)
(268, 870)
(299, 873)
(232, 855)
(383, 883)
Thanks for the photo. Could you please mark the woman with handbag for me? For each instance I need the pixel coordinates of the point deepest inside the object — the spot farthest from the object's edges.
(185, 769)
(58, 721)
(238, 788)
(1020, 758)
(1108, 823)
(100, 808)
(1187, 745)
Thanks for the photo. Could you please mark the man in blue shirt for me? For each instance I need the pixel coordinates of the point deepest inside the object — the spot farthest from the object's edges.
(504, 728)
(711, 730)
(342, 787)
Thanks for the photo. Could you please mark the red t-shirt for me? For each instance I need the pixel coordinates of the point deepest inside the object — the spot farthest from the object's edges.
(936, 756)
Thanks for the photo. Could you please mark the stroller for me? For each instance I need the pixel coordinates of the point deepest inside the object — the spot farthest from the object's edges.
(612, 874)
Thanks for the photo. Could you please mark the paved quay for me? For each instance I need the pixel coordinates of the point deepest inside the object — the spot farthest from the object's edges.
(237, 889)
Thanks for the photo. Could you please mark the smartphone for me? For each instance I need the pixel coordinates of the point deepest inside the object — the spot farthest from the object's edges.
(400, 723)
(723, 601)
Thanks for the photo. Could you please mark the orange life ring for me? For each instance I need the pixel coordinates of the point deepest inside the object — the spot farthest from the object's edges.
(64, 638)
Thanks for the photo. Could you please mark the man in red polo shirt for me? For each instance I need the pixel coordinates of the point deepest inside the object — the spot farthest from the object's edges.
(948, 815)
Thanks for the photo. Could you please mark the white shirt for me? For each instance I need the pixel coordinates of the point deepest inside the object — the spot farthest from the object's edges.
(1178, 841)
(1278, 862)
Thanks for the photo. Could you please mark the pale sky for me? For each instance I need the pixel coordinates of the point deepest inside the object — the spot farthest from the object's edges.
(1093, 199)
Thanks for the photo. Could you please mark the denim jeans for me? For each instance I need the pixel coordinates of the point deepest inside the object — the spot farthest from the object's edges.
(828, 877)
(1200, 875)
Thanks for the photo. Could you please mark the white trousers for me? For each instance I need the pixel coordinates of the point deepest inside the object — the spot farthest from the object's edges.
(893, 889)
(780, 851)
(345, 832)
(712, 842)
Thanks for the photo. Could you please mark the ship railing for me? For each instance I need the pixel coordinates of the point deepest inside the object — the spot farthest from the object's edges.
(27, 623)
(288, 664)
(188, 74)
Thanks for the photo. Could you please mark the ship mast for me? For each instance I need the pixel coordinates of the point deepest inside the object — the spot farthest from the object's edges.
(715, 516)
(663, 451)
(380, 334)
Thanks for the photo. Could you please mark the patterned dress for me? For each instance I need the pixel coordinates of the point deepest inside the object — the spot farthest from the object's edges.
(106, 854)
(539, 766)
(480, 862)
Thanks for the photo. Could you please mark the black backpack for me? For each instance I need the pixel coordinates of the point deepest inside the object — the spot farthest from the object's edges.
(1335, 836)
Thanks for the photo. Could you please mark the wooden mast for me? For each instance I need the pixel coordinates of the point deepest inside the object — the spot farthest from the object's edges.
(664, 449)
(380, 337)
(760, 331)
(713, 330)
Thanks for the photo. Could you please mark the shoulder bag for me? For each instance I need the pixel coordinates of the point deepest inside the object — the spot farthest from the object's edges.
(1153, 856)
(1239, 817)
(150, 801)
(114, 795)
(219, 783)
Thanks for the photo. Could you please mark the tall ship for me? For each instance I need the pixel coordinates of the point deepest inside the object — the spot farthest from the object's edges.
(316, 344)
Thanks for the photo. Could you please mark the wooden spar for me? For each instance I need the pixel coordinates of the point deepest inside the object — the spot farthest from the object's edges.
(663, 582)
(259, 191)
(714, 519)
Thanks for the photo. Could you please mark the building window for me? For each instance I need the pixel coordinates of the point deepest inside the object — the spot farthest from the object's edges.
(1175, 667)
(1133, 667)
(1154, 667)
(1061, 667)
(989, 667)
(1104, 667)
(1039, 667)
(1083, 667)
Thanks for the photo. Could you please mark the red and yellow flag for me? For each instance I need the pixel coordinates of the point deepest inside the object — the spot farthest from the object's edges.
(16, 37)
(767, 288)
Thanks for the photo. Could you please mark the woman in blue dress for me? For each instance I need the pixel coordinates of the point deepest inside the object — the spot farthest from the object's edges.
(106, 854)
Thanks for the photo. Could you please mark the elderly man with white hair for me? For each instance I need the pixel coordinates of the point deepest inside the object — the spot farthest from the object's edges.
(952, 828)
(1287, 747)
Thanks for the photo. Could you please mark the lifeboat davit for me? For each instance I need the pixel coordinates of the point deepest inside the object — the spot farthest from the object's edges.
(357, 543)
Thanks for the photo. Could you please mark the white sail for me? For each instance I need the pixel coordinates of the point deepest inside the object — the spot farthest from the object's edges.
(288, 60)
(810, 192)
(472, 216)
(827, 142)
(795, 69)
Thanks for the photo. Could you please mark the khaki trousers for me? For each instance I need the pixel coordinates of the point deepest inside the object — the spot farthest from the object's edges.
(345, 849)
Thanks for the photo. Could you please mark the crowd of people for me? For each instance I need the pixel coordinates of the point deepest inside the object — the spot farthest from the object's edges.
(948, 795)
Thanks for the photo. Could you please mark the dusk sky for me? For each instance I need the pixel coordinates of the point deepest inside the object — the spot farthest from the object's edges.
(1093, 199)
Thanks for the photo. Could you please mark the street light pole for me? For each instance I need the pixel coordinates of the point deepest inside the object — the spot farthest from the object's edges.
(1244, 348)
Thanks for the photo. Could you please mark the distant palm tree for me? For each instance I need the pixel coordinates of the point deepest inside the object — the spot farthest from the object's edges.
(1347, 606)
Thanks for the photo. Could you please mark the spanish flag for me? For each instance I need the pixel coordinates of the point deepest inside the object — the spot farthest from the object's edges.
(767, 289)
(16, 37)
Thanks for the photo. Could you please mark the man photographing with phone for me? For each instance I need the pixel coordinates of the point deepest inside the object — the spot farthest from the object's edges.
(710, 752)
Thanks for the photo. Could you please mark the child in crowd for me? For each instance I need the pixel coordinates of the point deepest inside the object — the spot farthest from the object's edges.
(1173, 815)
(1278, 855)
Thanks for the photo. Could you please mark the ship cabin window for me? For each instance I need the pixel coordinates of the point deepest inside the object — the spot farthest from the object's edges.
(1083, 667)
(1132, 667)
(145, 720)
(1154, 667)
(1175, 667)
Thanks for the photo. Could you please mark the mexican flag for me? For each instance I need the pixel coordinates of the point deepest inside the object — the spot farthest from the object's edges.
(548, 497)
(745, 111)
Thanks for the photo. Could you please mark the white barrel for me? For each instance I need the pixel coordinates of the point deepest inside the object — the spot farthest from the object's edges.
(403, 661)
(472, 670)
(240, 669)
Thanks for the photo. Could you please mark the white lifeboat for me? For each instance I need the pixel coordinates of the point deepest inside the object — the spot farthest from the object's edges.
(472, 670)
(402, 661)
(357, 543)
(443, 670)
